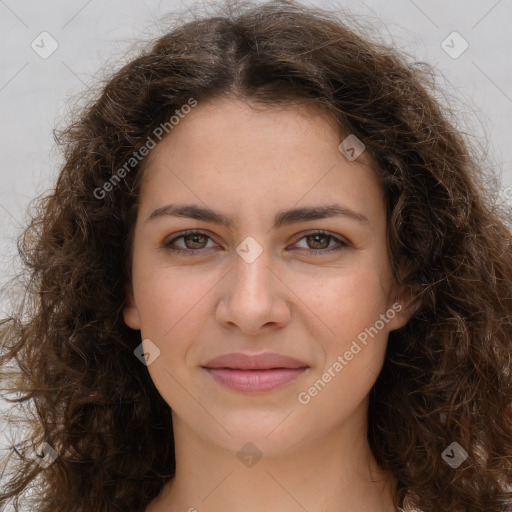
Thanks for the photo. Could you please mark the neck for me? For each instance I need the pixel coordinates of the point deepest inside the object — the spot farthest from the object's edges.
(333, 473)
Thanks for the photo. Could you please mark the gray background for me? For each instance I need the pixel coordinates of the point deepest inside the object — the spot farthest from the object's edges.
(36, 93)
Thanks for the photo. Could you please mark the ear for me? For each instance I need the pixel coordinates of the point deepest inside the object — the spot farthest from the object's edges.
(130, 311)
(404, 306)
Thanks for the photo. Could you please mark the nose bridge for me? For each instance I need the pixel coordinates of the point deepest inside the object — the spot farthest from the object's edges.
(252, 268)
(250, 299)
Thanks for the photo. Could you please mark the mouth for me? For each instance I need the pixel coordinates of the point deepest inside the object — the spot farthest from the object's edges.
(254, 380)
(254, 373)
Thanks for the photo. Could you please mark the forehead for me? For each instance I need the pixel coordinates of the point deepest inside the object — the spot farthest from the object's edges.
(226, 152)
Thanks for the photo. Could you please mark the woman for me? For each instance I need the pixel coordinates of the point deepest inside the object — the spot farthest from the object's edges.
(269, 277)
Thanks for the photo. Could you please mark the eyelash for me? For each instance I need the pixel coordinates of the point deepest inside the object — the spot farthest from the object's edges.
(343, 244)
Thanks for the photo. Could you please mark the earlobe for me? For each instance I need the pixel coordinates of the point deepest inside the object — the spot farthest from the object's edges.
(130, 311)
(404, 307)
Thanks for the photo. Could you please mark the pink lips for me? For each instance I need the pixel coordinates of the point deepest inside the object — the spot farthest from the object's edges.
(254, 373)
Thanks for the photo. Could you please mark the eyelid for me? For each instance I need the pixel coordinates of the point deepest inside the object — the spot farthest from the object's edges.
(338, 238)
(168, 241)
(342, 241)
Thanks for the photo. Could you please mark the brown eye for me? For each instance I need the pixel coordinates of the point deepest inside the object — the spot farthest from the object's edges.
(193, 241)
(321, 243)
(318, 241)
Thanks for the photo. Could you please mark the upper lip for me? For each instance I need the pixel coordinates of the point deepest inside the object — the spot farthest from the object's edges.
(264, 361)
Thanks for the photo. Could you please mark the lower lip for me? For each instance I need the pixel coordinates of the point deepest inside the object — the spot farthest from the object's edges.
(251, 381)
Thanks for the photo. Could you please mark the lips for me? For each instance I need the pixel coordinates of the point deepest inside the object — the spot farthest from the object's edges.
(266, 361)
(254, 373)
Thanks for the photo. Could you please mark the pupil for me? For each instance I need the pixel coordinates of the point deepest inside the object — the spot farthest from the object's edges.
(194, 237)
(316, 237)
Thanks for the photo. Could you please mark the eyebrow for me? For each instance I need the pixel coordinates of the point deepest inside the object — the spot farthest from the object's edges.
(282, 218)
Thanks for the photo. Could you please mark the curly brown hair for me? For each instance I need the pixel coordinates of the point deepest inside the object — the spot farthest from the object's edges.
(447, 374)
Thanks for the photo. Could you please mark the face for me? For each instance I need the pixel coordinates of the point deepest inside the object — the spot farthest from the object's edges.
(247, 277)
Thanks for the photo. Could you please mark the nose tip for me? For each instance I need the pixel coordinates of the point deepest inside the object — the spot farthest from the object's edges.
(252, 295)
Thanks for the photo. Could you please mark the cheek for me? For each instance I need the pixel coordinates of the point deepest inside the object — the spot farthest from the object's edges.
(168, 303)
(354, 346)
(173, 309)
(174, 304)
(166, 293)
(346, 302)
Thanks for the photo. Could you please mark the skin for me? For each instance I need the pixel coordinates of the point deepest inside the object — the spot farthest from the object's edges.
(250, 164)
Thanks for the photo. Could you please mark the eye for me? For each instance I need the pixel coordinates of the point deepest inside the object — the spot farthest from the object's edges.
(319, 241)
(194, 241)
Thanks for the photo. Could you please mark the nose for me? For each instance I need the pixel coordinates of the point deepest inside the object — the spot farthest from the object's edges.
(253, 297)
